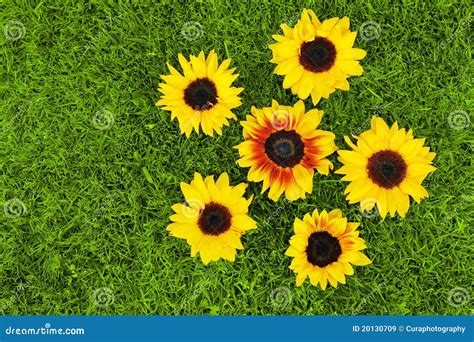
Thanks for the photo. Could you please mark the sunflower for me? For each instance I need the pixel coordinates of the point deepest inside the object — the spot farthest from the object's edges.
(316, 58)
(386, 167)
(324, 247)
(213, 218)
(203, 96)
(283, 147)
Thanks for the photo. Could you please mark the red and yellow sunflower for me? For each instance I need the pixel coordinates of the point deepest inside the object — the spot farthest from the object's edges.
(283, 147)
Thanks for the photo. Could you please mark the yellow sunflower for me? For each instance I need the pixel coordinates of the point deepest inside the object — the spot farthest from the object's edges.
(213, 218)
(386, 167)
(283, 147)
(203, 96)
(324, 247)
(316, 58)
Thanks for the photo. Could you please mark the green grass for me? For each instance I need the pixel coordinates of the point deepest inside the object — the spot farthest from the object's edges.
(98, 201)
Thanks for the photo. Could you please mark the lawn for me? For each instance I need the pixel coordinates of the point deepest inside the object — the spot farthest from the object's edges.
(90, 166)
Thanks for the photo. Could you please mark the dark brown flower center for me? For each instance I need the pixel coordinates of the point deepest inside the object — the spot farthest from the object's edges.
(323, 249)
(284, 148)
(318, 55)
(201, 94)
(386, 168)
(215, 219)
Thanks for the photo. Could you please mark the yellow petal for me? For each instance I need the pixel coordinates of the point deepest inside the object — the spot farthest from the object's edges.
(315, 275)
(223, 181)
(335, 213)
(414, 189)
(415, 170)
(379, 126)
(324, 279)
(293, 77)
(300, 227)
(351, 54)
(402, 200)
(192, 195)
(186, 66)
(243, 222)
(336, 270)
(303, 177)
(337, 226)
(361, 260)
(351, 157)
(347, 268)
(352, 68)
